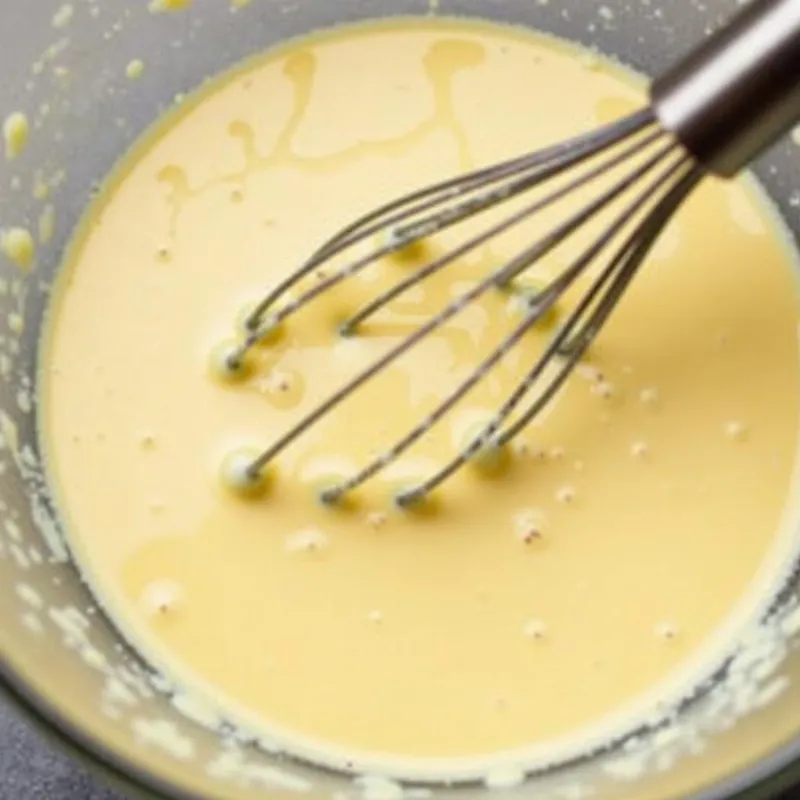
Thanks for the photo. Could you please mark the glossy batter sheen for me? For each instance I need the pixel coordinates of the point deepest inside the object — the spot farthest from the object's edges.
(522, 610)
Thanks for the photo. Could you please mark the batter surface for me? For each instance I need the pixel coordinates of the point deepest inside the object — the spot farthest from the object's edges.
(636, 526)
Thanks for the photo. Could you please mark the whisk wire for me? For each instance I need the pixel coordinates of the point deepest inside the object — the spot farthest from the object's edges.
(545, 170)
(543, 302)
(638, 140)
(491, 233)
(497, 278)
(629, 260)
(333, 494)
(620, 272)
(350, 325)
(705, 117)
(548, 161)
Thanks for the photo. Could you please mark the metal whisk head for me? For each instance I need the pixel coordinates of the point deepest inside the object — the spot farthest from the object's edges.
(713, 112)
(652, 174)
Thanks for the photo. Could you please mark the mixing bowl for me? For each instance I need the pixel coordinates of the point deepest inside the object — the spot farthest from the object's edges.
(60, 659)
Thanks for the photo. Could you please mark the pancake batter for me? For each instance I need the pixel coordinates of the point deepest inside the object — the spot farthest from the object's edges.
(605, 568)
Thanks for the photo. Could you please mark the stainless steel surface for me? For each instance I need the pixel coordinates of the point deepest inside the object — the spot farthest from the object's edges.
(94, 114)
(734, 96)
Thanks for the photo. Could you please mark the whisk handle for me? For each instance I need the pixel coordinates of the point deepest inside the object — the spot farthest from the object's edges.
(738, 92)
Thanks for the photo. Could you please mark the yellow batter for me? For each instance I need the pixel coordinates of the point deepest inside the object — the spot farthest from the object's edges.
(526, 610)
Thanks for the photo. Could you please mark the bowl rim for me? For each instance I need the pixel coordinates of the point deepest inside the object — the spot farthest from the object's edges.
(767, 778)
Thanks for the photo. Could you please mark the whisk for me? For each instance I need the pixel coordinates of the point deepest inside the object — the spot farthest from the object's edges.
(713, 113)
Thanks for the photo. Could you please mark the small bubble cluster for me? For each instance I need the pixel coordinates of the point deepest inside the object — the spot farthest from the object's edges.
(649, 396)
(528, 526)
(603, 389)
(280, 382)
(307, 540)
(566, 495)
(377, 520)
(736, 430)
(523, 449)
(535, 629)
(640, 450)
(161, 597)
(667, 631)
